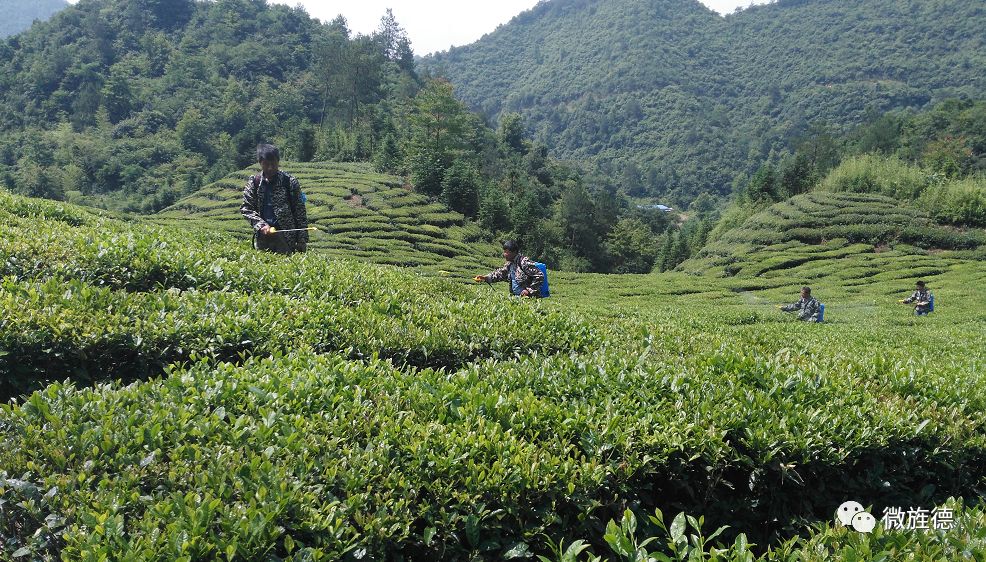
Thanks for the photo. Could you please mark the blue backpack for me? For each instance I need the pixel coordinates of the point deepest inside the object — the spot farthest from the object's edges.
(544, 291)
(931, 303)
(821, 312)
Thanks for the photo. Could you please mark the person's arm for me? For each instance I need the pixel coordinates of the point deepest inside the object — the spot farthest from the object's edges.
(791, 307)
(301, 214)
(499, 274)
(249, 208)
(910, 299)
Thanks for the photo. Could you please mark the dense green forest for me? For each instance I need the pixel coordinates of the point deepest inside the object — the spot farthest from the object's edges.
(131, 104)
(18, 15)
(673, 100)
(925, 157)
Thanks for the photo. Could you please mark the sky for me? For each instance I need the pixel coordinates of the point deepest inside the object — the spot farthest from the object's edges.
(436, 25)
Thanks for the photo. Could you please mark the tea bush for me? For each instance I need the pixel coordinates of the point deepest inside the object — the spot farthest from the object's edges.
(199, 401)
(440, 464)
(69, 329)
(685, 539)
(878, 175)
(118, 300)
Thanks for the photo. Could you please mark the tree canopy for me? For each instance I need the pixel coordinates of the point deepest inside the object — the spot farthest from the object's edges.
(129, 104)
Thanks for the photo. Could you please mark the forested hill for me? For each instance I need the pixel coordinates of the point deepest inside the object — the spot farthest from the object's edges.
(18, 15)
(130, 104)
(676, 100)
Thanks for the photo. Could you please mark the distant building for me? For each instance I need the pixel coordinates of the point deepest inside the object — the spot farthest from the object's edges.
(662, 208)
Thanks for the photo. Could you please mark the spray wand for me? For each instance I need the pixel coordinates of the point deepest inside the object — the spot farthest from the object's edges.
(276, 231)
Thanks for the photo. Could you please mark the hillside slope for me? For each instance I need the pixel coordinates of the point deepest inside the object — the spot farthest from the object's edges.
(690, 98)
(845, 245)
(361, 214)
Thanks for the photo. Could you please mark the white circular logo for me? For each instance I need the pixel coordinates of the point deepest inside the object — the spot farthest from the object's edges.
(863, 522)
(847, 511)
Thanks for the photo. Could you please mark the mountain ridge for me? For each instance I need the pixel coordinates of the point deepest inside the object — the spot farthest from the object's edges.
(725, 92)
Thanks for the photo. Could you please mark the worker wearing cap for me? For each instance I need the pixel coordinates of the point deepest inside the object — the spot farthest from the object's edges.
(272, 202)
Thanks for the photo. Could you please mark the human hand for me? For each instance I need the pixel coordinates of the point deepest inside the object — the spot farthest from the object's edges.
(479, 278)
(267, 230)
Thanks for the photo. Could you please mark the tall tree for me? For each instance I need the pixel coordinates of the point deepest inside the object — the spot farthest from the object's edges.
(439, 128)
(394, 41)
(460, 188)
(511, 134)
(633, 247)
(117, 96)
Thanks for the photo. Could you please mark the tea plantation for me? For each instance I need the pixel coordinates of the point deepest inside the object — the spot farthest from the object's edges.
(362, 214)
(850, 241)
(178, 396)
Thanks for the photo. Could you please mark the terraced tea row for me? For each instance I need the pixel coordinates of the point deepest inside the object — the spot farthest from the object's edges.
(871, 219)
(362, 215)
(838, 240)
(57, 330)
